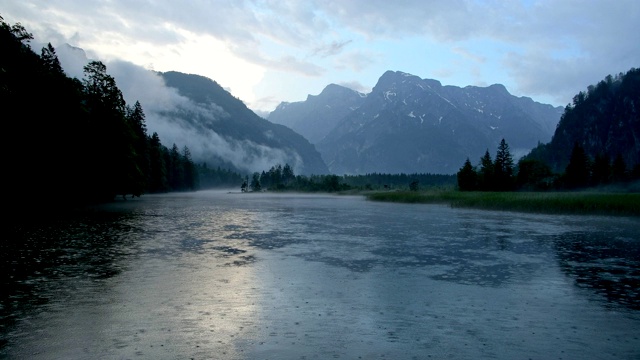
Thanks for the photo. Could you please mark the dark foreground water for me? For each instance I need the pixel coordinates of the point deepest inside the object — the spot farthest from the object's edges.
(213, 275)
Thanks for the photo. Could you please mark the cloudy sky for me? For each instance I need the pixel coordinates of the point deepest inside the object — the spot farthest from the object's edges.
(269, 51)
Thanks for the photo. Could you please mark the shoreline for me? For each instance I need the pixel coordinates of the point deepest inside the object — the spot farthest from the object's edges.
(577, 203)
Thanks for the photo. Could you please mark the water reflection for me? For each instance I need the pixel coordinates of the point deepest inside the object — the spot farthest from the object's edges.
(604, 263)
(36, 257)
(284, 276)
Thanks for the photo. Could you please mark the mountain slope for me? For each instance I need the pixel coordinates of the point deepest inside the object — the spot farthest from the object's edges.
(407, 124)
(226, 121)
(604, 121)
(315, 117)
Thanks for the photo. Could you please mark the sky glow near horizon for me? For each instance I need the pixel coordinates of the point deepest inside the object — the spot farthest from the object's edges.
(267, 52)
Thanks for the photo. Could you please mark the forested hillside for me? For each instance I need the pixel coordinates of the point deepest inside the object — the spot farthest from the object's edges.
(604, 121)
(596, 144)
(76, 141)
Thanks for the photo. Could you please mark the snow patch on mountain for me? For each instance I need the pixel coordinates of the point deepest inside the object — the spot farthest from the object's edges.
(388, 94)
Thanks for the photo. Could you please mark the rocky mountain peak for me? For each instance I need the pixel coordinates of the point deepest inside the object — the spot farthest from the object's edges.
(408, 124)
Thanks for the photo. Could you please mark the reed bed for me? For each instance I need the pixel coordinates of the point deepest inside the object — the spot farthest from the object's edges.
(626, 204)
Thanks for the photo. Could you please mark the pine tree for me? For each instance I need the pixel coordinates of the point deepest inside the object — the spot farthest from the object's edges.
(176, 169)
(113, 163)
(577, 172)
(136, 121)
(467, 177)
(485, 176)
(255, 182)
(189, 169)
(287, 174)
(158, 181)
(533, 175)
(503, 168)
(50, 60)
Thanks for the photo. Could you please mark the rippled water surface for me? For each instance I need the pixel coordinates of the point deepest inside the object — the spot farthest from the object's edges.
(215, 275)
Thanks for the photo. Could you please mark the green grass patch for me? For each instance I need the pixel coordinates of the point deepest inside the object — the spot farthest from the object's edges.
(626, 204)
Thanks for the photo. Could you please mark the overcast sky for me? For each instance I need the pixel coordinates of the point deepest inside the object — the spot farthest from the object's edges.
(265, 52)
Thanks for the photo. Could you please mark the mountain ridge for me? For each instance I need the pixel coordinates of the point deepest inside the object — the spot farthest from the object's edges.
(230, 119)
(318, 114)
(407, 124)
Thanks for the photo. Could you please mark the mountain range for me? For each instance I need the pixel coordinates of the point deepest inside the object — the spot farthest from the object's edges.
(404, 125)
(413, 125)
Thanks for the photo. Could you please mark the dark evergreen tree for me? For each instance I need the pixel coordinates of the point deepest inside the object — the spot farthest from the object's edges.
(331, 183)
(486, 173)
(190, 180)
(467, 177)
(255, 182)
(50, 59)
(158, 180)
(217, 178)
(265, 179)
(140, 174)
(114, 167)
(175, 169)
(577, 172)
(287, 174)
(275, 176)
(534, 175)
(503, 168)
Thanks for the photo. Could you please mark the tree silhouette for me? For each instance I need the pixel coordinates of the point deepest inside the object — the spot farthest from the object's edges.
(158, 167)
(503, 168)
(50, 59)
(190, 179)
(467, 177)
(577, 172)
(534, 175)
(287, 174)
(486, 173)
(255, 182)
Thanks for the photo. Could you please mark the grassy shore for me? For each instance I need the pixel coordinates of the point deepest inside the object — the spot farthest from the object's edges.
(625, 204)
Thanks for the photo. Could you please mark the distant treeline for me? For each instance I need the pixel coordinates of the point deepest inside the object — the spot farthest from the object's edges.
(534, 175)
(282, 178)
(596, 144)
(76, 142)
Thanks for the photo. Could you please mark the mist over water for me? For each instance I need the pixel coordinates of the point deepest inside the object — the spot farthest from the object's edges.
(262, 276)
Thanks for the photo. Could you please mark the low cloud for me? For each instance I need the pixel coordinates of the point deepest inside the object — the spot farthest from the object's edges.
(357, 86)
(163, 106)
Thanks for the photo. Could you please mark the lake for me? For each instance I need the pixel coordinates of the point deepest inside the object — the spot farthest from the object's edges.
(222, 275)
